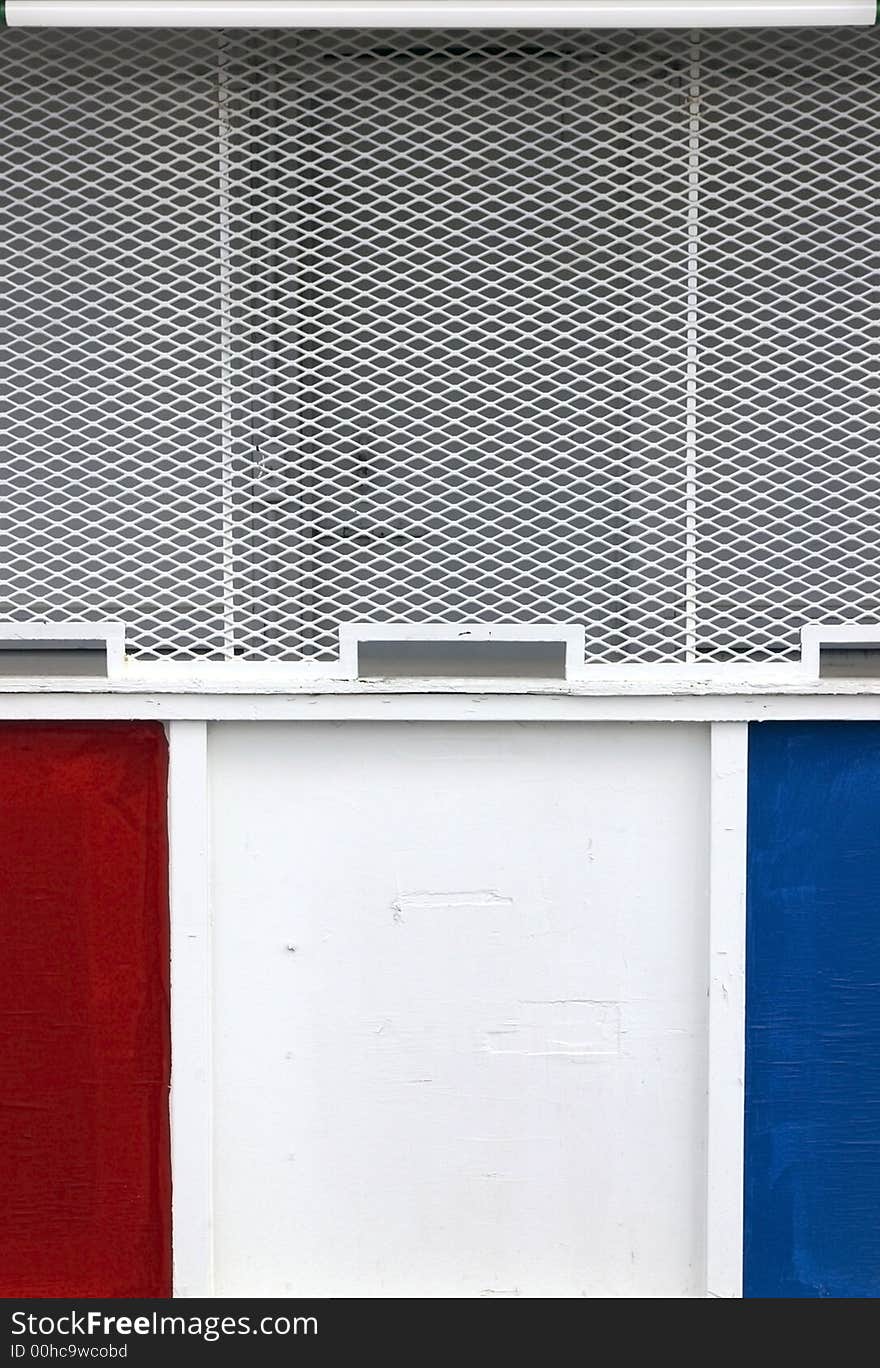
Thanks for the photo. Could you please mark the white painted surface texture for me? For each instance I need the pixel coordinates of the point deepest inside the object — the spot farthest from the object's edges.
(727, 1007)
(460, 1012)
(191, 1003)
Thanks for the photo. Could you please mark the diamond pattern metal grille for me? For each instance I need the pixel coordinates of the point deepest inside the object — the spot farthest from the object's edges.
(305, 328)
(789, 502)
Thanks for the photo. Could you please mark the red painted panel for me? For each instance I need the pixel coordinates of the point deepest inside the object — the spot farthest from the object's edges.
(85, 1185)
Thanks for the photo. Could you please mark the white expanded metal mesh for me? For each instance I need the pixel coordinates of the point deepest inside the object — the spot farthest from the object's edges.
(307, 328)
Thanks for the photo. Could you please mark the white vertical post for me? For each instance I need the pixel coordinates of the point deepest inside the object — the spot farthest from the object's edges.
(727, 1007)
(224, 235)
(191, 1057)
(694, 93)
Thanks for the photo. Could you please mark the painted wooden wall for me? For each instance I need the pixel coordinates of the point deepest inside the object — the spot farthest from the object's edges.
(460, 1009)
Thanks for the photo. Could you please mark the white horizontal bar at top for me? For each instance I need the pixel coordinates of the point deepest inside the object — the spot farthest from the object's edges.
(436, 13)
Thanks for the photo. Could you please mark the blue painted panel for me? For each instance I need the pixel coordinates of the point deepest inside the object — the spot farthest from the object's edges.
(812, 1176)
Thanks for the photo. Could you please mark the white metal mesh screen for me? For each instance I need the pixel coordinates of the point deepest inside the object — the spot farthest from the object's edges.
(302, 328)
(789, 484)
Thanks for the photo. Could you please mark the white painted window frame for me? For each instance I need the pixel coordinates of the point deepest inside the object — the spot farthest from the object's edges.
(352, 635)
(231, 678)
(849, 635)
(43, 635)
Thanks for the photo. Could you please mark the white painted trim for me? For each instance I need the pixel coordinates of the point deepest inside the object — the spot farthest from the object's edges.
(218, 679)
(191, 1050)
(727, 1008)
(447, 705)
(108, 637)
(815, 635)
(330, 677)
(235, 676)
(351, 634)
(260, 677)
(436, 13)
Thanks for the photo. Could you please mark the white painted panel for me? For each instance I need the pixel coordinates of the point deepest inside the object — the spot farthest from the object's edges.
(460, 1017)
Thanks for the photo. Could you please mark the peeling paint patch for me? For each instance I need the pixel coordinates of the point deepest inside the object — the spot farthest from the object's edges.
(576, 1028)
(437, 902)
